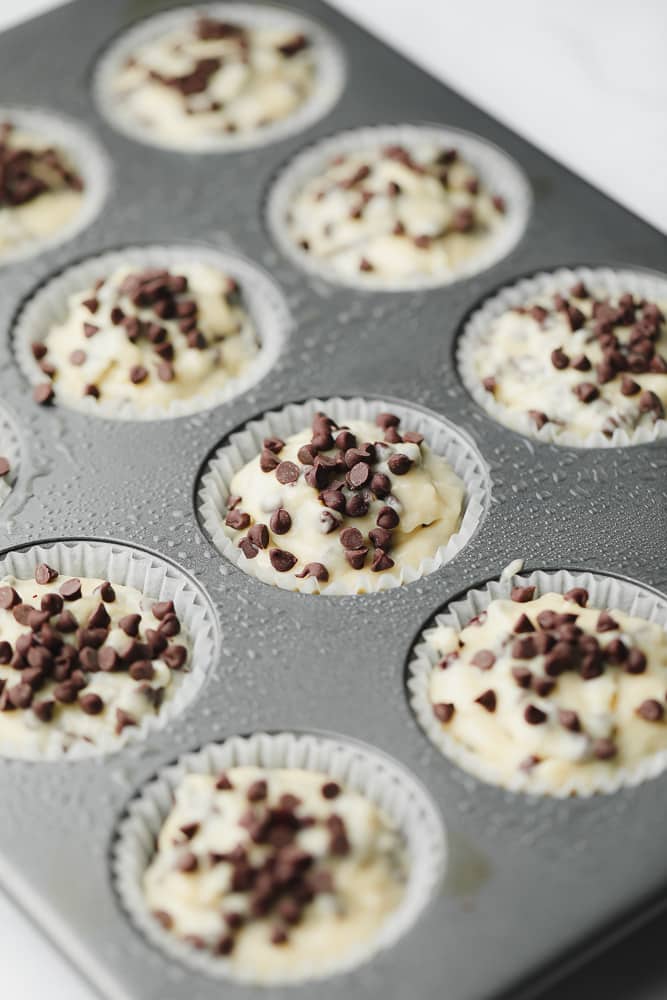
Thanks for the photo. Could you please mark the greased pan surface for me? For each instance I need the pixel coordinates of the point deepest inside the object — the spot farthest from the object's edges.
(529, 879)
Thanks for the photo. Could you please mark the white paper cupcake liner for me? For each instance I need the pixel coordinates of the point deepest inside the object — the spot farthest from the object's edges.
(86, 155)
(153, 576)
(382, 780)
(601, 281)
(261, 298)
(442, 438)
(328, 57)
(497, 170)
(604, 592)
(10, 448)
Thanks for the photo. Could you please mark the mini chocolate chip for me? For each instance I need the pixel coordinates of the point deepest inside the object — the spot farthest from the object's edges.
(559, 359)
(99, 617)
(635, 662)
(334, 499)
(586, 392)
(45, 575)
(543, 686)
(280, 522)
(39, 350)
(358, 475)
(356, 557)
(307, 454)
(138, 374)
(605, 622)
(91, 704)
(248, 548)
(484, 659)
(43, 393)
(569, 720)
(523, 624)
(71, 590)
(356, 506)
(9, 599)
(579, 595)
(380, 485)
(170, 625)
(268, 461)
(107, 659)
(487, 700)
(522, 676)
(400, 464)
(259, 535)
(238, 520)
(522, 594)
(351, 538)
(381, 538)
(163, 608)
(331, 789)
(650, 402)
(315, 569)
(66, 622)
(130, 624)
(142, 670)
(287, 472)
(534, 716)
(524, 648)
(381, 562)
(604, 749)
(257, 791)
(44, 709)
(281, 560)
(444, 711)
(387, 518)
(123, 720)
(651, 710)
(274, 444)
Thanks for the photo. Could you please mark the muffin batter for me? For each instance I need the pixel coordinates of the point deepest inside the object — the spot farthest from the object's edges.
(332, 501)
(148, 337)
(211, 78)
(280, 871)
(40, 189)
(393, 213)
(82, 660)
(581, 363)
(552, 689)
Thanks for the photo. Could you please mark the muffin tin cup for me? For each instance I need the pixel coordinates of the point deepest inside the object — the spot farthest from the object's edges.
(10, 448)
(86, 155)
(261, 298)
(608, 281)
(153, 576)
(604, 592)
(329, 72)
(496, 169)
(378, 777)
(442, 438)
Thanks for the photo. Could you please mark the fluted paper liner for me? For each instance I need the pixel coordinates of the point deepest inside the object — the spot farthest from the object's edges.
(86, 155)
(154, 577)
(498, 172)
(442, 438)
(604, 592)
(607, 281)
(260, 297)
(329, 75)
(382, 780)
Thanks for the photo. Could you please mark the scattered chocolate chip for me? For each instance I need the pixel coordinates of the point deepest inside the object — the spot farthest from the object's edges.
(400, 464)
(487, 700)
(586, 392)
(651, 710)
(91, 704)
(351, 538)
(281, 560)
(604, 749)
(71, 590)
(315, 569)
(444, 711)
(523, 624)
(123, 720)
(387, 518)
(578, 595)
(287, 472)
(522, 594)
(268, 461)
(238, 520)
(381, 562)
(635, 662)
(44, 709)
(522, 676)
(356, 506)
(534, 716)
(280, 522)
(43, 393)
(606, 623)
(10, 599)
(559, 359)
(484, 659)
(45, 575)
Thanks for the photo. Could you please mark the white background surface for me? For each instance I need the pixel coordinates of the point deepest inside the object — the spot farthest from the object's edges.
(587, 82)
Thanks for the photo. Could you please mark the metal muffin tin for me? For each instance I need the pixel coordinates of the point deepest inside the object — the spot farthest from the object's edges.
(530, 882)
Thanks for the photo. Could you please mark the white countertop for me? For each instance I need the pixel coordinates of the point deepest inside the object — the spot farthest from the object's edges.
(587, 82)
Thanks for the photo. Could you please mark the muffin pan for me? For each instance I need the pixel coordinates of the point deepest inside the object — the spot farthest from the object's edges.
(531, 882)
